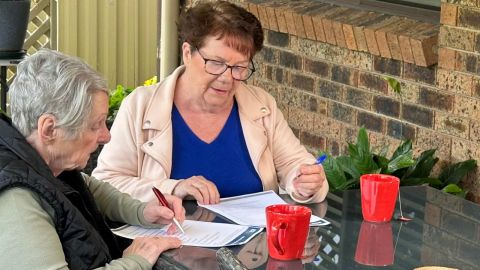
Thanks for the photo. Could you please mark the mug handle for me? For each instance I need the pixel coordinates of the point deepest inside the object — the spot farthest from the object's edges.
(276, 227)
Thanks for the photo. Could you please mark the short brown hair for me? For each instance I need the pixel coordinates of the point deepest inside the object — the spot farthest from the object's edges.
(241, 29)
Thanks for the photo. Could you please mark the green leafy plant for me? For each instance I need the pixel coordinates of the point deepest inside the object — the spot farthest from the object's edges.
(117, 96)
(344, 172)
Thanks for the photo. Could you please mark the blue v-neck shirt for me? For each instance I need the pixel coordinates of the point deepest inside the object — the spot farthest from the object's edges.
(225, 161)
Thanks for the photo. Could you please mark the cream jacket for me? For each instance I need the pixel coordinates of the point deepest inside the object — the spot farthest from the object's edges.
(139, 154)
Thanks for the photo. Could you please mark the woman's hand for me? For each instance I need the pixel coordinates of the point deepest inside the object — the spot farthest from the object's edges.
(154, 212)
(150, 248)
(203, 190)
(310, 180)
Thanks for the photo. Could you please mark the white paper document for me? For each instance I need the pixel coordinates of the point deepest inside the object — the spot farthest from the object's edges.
(197, 233)
(249, 209)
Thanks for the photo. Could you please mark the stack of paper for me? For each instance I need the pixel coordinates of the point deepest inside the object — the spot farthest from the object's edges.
(249, 209)
(197, 233)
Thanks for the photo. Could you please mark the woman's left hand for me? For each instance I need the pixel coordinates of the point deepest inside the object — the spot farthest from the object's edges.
(154, 212)
(310, 180)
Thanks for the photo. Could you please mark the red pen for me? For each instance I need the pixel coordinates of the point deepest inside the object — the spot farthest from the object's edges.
(164, 202)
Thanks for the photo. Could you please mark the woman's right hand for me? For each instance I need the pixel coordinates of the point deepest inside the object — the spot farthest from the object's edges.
(203, 190)
(150, 248)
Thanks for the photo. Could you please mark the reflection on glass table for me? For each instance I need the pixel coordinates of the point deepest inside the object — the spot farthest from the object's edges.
(445, 231)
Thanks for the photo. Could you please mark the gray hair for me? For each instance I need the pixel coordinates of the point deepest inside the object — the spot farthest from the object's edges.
(49, 82)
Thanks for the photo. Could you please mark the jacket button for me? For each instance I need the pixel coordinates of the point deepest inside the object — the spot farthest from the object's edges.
(150, 143)
(263, 110)
(147, 123)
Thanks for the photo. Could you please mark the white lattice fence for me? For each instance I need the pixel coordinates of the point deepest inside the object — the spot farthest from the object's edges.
(40, 32)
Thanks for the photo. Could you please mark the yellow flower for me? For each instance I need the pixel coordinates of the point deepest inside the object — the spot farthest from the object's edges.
(150, 81)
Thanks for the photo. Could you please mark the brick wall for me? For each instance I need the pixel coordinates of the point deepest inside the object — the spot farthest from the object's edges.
(328, 84)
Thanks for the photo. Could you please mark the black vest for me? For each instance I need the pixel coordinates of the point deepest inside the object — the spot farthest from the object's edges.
(87, 241)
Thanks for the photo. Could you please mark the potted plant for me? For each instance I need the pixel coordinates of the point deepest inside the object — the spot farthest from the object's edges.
(344, 172)
(13, 27)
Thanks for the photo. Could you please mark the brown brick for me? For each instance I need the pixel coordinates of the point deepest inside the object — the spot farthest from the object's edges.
(328, 19)
(314, 142)
(435, 99)
(404, 41)
(400, 130)
(449, 124)
(467, 107)
(343, 113)
(272, 19)
(386, 106)
(393, 39)
(464, 149)
(299, 28)
(278, 39)
(308, 26)
(469, 18)
(299, 118)
(338, 26)
(370, 33)
(476, 88)
(418, 115)
(345, 75)
(448, 14)
(328, 127)
(318, 68)
(388, 66)
(371, 121)
(347, 28)
(262, 12)
(446, 58)
(466, 62)
(381, 37)
(456, 38)
(302, 82)
(281, 22)
(419, 73)
(475, 131)
(359, 27)
(428, 139)
(358, 98)
(317, 16)
(454, 82)
(372, 81)
(330, 90)
(290, 21)
(424, 45)
(290, 60)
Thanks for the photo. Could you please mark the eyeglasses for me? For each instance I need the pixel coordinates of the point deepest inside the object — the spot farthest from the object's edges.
(239, 73)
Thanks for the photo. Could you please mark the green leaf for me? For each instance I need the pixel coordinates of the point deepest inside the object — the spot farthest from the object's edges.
(434, 182)
(402, 149)
(455, 172)
(423, 165)
(455, 190)
(335, 176)
(347, 165)
(394, 84)
(401, 161)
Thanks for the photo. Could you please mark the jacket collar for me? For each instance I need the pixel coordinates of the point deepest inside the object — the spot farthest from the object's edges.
(14, 141)
(158, 112)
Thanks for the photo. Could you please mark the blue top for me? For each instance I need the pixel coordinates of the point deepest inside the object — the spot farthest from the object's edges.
(225, 161)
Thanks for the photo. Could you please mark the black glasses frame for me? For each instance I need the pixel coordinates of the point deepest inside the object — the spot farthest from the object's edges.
(227, 66)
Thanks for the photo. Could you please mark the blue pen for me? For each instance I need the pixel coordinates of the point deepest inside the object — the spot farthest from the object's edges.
(321, 158)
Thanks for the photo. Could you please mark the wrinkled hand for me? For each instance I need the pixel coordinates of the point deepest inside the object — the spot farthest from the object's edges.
(201, 189)
(150, 248)
(202, 214)
(311, 246)
(310, 180)
(154, 212)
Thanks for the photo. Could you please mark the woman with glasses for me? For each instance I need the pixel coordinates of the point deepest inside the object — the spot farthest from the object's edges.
(204, 133)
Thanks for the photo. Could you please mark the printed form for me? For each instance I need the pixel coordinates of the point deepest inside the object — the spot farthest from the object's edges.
(197, 233)
(249, 209)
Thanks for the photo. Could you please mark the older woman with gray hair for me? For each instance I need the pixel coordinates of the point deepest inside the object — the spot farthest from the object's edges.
(53, 215)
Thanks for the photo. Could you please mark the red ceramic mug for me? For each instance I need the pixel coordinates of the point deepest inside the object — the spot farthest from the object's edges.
(375, 244)
(287, 230)
(379, 193)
